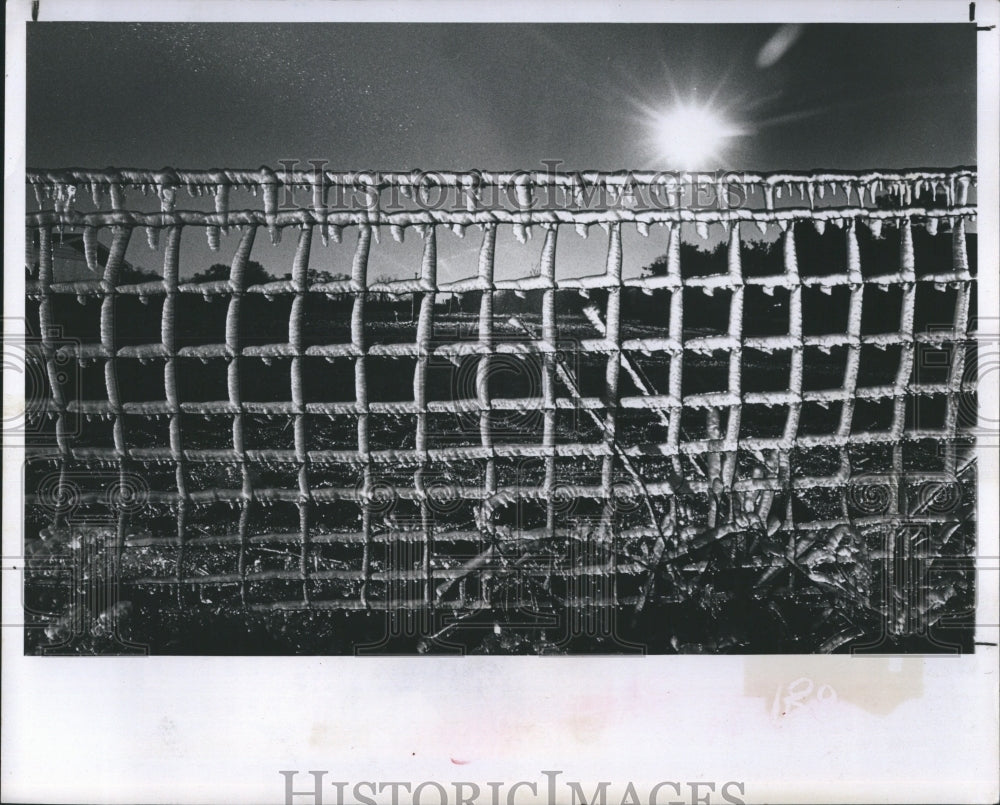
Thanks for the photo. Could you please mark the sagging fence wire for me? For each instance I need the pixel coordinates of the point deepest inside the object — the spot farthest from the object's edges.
(656, 502)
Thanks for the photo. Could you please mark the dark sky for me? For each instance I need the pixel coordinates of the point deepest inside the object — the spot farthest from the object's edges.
(493, 96)
(489, 96)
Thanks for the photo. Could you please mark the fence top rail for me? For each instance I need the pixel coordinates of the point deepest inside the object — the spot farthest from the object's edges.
(250, 178)
(423, 218)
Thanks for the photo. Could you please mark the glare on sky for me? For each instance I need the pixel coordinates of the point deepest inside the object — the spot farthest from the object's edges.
(692, 136)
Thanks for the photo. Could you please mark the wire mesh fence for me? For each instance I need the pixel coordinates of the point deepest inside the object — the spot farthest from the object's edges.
(591, 481)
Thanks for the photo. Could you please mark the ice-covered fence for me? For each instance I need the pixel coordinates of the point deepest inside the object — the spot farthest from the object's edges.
(703, 466)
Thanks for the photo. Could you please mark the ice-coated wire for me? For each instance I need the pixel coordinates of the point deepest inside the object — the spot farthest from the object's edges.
(548, 275)
(359, 281)
(168, 339)
(425, 331)
(296, 322)
(112, 269)
(237, 281)
(955, 397)
(58, 193)
(612, 369)
(487, 253)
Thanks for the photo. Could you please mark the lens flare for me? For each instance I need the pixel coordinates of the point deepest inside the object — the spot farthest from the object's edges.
(692, 136)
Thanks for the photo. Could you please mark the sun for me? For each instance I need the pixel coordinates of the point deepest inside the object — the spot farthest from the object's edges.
(692, 136)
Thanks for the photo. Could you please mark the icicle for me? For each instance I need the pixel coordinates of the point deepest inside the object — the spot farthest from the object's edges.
(269, 186)
(398, 232)
(69, 196)
(222, 205)
(721, 196)
(471, 198)
(820, 225)
(582, 229)
(38, 194)
(212, 233)
(762, 226)
(458, 229)
(812, 194)
(90, 247)
(853, 253)
(31, 249)
(168, 197)
(963, 190)
(153, 237)
(959, 248)
(708, 290)
(769, 197)
(931, 226)
(117, 192)
(875, 225)
(701, 227)
(676, 189)
(642, 228)
(779, 191)
(821, 190)
(521, 233)
(826, 290)
(336, 233)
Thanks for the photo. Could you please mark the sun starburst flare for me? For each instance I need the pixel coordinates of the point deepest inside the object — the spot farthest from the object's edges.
(692, 136)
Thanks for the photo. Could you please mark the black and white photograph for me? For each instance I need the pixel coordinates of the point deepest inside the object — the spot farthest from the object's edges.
(388, 337)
